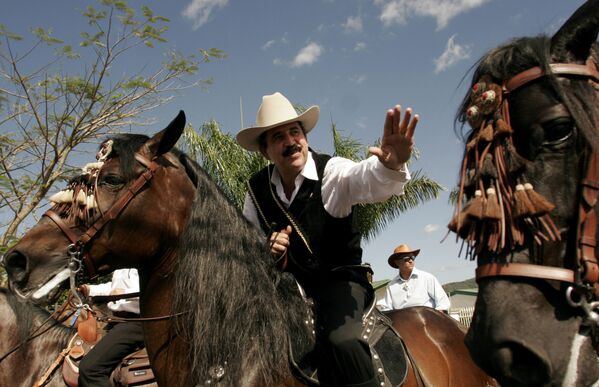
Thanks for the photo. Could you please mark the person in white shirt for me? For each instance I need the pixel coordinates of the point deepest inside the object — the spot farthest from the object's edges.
(303, 202)
(121, 339)
(412, 287)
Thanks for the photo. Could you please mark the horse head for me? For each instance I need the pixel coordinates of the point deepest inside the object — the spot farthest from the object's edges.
(522, 209)
(138, 179)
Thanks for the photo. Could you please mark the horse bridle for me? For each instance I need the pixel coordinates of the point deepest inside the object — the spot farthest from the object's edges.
(584, 278)
(78, 257)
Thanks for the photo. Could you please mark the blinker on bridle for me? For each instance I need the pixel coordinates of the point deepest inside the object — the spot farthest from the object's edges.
(501, 211)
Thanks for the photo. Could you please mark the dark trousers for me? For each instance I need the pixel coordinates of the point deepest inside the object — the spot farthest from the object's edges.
(344, 357)
(98, 364)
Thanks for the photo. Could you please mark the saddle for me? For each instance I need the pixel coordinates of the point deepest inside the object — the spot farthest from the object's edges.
(134, 369)
(390, 355)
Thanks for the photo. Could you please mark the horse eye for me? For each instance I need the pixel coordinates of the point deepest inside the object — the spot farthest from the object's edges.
(558, 131)
(112, 180)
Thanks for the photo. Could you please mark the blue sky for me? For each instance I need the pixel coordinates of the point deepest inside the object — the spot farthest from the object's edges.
(353, 58)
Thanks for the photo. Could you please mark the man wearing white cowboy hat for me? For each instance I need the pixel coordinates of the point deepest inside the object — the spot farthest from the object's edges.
(412, 287)
(303, 201)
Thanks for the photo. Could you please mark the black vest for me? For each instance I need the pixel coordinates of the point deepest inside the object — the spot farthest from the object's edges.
(321, 247)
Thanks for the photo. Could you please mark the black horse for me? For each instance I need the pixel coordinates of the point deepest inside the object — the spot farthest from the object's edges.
(527, 206)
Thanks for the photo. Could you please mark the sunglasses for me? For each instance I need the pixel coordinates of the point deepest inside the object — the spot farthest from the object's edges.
(408, 258)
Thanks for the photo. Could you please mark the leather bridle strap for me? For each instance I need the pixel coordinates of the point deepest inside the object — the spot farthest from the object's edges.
(122, 202)
(525, 270)
(587, 221)
(587, 218)
(587, 70)
(61, 225)
(116, 208)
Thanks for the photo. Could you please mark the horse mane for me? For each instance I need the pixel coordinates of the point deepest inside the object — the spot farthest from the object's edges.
(505, 61)
(29, 316)
(244, 311)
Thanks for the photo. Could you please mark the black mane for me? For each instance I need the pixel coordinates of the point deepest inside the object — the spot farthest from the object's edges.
(244, 310)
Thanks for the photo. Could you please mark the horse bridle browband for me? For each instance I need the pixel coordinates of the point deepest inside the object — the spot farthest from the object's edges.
(586, 275)
(76, 249)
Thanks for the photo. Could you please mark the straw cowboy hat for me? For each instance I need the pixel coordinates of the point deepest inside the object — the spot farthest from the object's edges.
(400, 251)
(275, 110)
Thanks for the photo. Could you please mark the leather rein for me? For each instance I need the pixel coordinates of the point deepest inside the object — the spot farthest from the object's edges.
(585, 277)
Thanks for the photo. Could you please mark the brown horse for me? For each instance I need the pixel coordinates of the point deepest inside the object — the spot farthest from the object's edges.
(527, 206)
(218, 310)
(22, 361)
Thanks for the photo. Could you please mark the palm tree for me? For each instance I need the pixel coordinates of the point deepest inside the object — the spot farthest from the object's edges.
(230, 166)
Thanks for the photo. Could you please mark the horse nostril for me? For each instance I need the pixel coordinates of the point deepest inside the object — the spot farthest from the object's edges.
(521, 365)
(16, 266)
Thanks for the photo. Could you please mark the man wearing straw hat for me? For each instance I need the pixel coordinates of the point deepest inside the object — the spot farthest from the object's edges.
(303, 202)
(412, 287)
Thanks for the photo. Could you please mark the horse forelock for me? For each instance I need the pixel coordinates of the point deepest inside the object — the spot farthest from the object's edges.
(125, 146)
(241, 306)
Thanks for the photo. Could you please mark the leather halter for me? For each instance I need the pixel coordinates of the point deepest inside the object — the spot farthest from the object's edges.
(117, 207)
(587, 271)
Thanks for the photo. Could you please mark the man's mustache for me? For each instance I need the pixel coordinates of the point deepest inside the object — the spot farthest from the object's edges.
(291, 150)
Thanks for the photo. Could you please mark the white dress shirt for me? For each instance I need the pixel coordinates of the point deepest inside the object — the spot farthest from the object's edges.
(344, 184)
(123, 281)
(421, 289)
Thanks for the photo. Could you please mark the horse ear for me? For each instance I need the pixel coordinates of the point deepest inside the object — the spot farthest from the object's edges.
(166, 139)
(574, 39)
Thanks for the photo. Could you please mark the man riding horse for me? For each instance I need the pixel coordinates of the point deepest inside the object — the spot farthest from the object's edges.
(303, 202)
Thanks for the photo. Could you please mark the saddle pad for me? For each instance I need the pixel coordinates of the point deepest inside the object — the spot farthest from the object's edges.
(390, 358)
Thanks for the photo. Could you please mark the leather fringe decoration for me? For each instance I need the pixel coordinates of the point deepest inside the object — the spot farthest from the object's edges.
(496, 211)
(78, 201)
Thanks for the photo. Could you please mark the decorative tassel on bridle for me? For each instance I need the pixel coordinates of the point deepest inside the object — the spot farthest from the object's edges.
(496, 209)
(78, 201)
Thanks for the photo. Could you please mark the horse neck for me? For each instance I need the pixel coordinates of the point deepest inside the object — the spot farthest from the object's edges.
(166, 350)
(26, 365)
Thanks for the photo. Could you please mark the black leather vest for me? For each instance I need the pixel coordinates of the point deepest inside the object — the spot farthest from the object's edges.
(321, 246)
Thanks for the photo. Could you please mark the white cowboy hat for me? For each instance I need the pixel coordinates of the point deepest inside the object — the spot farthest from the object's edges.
(275, 110)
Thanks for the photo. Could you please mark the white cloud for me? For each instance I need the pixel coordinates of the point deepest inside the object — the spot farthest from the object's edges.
(431, 228)
(453, 53)
(353, 24)
(359, 46)
(399, 11)
(308, 55)
(357, 79)
(199, 11)
(268, 44)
